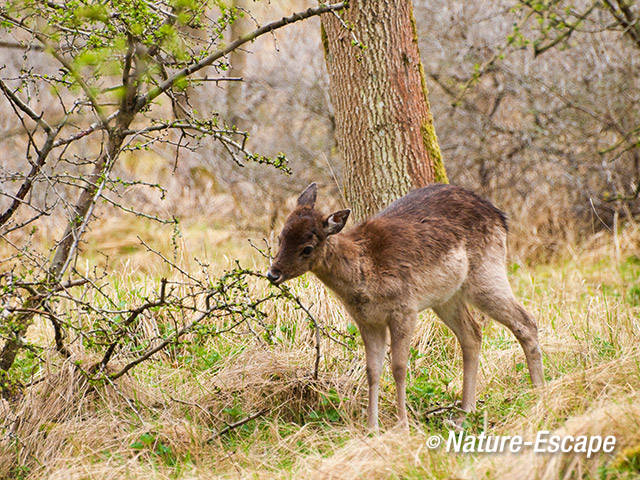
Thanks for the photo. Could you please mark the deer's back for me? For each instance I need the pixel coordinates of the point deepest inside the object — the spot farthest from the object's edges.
(426, 224)
(454, 205)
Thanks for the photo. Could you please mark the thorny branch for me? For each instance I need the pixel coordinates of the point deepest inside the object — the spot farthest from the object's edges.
(68, 165)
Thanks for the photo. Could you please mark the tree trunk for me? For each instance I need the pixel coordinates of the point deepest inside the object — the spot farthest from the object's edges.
(238, 63)
(384, 125)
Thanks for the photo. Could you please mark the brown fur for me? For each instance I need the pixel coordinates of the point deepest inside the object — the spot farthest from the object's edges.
(440, 246)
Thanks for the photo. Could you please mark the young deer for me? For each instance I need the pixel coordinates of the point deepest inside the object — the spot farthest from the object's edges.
(441, 247)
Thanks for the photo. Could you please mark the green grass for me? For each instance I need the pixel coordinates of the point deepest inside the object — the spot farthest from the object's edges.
(156, 423)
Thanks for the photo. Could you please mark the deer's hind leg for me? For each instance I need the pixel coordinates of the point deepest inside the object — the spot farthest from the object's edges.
(491, 293)
(457, 317)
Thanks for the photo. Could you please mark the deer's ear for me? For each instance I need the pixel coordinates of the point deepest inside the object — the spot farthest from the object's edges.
(335, 222)
(308, 197)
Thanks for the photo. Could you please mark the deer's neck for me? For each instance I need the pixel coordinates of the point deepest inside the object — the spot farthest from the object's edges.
(340, 267)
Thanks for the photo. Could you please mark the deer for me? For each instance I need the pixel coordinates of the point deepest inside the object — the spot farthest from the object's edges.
(441, 247)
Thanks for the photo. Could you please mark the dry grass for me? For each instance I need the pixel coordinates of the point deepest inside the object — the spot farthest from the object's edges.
(157, 422)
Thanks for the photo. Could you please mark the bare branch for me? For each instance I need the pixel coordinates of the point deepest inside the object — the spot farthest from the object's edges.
(185, 72)
(162, 345)
(625, 18)
(67, 65)
(24, 107)
(568, 31)
(131, 318)
(43, 152)
(239, 423)
(20, 46)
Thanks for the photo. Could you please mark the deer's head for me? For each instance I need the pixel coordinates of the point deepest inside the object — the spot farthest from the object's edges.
(304, 237)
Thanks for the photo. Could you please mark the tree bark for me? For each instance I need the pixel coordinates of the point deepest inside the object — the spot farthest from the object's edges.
(384, 126)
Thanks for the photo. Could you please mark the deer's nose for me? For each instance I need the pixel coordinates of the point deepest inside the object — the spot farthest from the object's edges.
(274, 274)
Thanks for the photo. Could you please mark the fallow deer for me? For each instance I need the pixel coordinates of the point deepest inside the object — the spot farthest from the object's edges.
(438, 247)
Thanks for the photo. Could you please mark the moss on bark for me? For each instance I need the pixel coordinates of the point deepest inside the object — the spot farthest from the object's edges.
(433, 148)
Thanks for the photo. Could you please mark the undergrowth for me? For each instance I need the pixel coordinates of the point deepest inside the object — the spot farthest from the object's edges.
(245, 403)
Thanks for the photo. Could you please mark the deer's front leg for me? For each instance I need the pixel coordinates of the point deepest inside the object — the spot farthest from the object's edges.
(374, 337)
(401, 327)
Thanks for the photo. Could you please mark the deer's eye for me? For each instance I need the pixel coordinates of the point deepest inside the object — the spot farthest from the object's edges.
(307, 250)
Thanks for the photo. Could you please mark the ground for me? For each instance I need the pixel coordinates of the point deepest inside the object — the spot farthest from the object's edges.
(162, 421)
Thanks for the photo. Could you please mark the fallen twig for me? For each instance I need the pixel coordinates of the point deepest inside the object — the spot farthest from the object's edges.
(239, 423)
